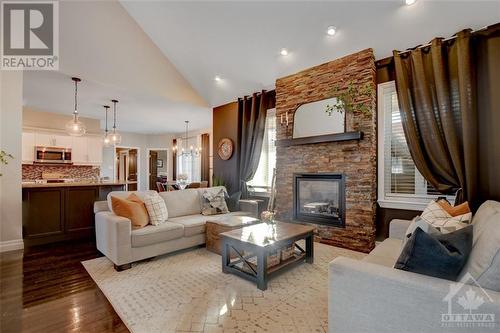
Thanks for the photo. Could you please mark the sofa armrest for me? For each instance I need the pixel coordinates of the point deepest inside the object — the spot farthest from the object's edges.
(397, 228)
(250, 206)
(366, 297)
(101, 206)
(114, 237)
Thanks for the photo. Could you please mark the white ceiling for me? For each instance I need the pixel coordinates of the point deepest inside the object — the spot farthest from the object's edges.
(241, 41)
(104, 46)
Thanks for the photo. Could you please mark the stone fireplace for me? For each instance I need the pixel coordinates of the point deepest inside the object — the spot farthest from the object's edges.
(319, 198)
(355, 158)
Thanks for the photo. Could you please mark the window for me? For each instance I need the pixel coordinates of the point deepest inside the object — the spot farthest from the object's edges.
(189, 165)
(400, 185)
(261, 182)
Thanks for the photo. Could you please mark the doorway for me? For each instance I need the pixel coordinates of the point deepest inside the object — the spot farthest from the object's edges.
(158, 167)
(126, 166)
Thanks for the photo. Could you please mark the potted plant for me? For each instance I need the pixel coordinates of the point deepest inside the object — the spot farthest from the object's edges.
(351, 98)
(4, 157)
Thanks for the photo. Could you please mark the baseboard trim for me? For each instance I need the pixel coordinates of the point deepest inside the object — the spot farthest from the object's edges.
(12, 245)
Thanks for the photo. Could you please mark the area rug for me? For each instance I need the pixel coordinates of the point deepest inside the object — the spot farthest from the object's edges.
(187, 292)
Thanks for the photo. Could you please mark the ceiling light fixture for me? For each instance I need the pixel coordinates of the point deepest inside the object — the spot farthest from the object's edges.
(75, 127)
(217, 78)
(410, 2)
(284, 52)
(106, 140)
(116, 138)
(331, 30)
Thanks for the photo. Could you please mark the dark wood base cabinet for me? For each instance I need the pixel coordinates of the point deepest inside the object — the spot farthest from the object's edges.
(52, 214)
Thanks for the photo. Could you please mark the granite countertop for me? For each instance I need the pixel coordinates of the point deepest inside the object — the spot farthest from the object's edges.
(71, 184)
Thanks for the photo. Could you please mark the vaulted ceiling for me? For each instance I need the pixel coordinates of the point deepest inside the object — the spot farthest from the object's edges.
(240, 41)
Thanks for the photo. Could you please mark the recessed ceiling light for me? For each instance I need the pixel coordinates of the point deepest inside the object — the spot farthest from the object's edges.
(217, 78)
(331, 30)
(284, 52)
(410, 2)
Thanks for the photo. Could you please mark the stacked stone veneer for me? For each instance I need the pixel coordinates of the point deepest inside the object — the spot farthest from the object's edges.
(355, 158)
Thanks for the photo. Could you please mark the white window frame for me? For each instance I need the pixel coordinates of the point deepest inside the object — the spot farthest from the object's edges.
(416, 202)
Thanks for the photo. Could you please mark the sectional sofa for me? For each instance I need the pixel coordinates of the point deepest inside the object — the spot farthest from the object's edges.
(184, 228)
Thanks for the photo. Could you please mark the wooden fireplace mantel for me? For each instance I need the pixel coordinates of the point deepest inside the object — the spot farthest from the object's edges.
(355, 135)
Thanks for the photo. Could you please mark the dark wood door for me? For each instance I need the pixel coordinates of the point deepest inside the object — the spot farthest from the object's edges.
(153, 170)
(132, 165)
(79, 208)
(43, 213)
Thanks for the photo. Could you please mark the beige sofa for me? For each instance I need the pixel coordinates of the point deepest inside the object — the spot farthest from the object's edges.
(370, 295)
(184, 228)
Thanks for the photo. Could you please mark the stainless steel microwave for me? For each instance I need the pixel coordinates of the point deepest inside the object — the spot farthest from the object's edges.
(53, 155)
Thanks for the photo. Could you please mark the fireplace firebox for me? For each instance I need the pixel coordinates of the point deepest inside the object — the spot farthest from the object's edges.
(319, 198)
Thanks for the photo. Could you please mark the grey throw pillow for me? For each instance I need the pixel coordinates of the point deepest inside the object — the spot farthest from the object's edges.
(233, 201)
(213, 203)
(442, 256)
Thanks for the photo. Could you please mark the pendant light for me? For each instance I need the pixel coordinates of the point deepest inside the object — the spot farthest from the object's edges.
(106, 140)
(116, 138)
(75, 127)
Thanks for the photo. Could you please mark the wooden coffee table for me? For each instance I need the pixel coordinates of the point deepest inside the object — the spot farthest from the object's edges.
(261, 240)
(217, 225)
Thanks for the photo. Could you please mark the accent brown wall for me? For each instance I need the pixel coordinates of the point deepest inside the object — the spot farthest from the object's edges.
(225, 125)
(355, 158)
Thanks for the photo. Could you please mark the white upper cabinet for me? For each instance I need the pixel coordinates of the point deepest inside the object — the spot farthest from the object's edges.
(94, 148)
(85, 150)
(53, 140)
(79, 153)
(28, 147)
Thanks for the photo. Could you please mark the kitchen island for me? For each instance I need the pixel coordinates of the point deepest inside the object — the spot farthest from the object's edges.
(55, 212)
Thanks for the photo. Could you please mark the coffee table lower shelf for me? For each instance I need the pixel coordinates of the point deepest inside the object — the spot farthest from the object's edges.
(258, 272)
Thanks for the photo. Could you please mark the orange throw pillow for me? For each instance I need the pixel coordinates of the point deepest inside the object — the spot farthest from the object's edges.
(132, 208)
(461, 209)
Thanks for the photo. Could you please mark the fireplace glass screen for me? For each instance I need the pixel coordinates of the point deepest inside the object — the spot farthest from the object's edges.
(319, 198)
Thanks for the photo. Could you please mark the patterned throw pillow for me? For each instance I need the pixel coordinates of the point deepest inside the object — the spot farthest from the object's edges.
(213, 203)
(157, 209)
(442, 220)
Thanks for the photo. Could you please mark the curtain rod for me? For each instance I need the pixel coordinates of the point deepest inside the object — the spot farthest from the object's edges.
(444, 40)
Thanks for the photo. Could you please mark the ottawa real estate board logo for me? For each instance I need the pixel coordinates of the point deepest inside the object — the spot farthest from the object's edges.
(30, 35)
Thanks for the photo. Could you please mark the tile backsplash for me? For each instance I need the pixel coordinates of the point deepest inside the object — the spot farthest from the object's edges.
(32, 171)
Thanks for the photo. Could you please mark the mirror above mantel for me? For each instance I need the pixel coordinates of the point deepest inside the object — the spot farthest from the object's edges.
(310, 119)
(312, 124)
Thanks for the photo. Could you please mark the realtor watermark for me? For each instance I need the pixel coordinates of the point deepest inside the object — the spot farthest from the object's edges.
(30, 35)
(466, 301)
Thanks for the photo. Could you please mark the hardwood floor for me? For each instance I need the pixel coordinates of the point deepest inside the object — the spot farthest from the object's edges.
(46, 289)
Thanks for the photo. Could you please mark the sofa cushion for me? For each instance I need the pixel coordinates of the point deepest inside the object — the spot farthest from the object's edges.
(484, 261)
(183, 202)
(193, 224)
(131, 208)
(442, 256)
(213, 203)
(439, 218)
(157, 209)
(385, 253)
(152, 234)
(124, 195)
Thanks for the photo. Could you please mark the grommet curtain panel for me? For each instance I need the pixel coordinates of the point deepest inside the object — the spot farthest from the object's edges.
(436, 87)
(252, 112)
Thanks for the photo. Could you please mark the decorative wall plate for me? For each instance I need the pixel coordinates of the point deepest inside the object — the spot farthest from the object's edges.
(225, 149)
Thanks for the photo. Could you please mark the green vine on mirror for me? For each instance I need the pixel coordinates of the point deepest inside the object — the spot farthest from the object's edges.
(4, 157)
(346, 97)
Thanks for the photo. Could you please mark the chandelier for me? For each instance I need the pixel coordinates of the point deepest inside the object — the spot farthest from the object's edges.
(187, 150)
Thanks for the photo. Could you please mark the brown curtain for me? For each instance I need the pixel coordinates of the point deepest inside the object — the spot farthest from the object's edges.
(252, 125)
(205, 157)
(174, 160)
(437, 98)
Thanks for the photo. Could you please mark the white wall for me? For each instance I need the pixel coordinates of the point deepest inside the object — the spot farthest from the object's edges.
(11, 110)
(49, 120)
(142, 142)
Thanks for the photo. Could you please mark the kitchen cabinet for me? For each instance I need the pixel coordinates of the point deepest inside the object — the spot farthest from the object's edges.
(94, 150)
(53, 140)
(28, 147)
(79, 153)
